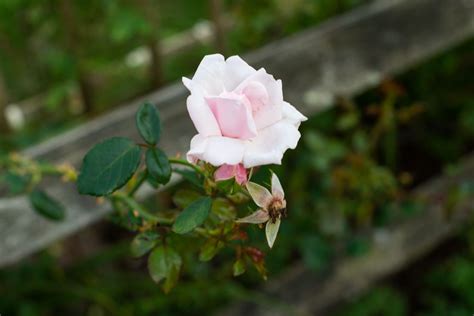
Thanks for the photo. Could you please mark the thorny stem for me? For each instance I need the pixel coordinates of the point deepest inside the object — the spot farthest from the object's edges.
(185, 163)
(138, 184)
(49, 170)
(130, 202)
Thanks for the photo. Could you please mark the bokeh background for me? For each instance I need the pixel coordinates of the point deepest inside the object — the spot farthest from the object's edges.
(65, 62)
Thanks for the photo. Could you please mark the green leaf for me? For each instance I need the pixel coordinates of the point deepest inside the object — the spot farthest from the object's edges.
(108, 166)
(152, 181)
(148, 123)
(172, 279)
(47, 206)
(183, 198)
(224, 209)
(192, 216)
(164, 263)
(226, 186)
(210, 249)
(239, 267)
(144, 242)
(16, 183)
(158, 165)
(190, 176)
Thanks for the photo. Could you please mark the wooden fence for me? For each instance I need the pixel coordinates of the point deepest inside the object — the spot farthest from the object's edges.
(343, 56)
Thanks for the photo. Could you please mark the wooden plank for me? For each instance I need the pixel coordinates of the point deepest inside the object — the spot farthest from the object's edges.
(341, 57)
(392, 249)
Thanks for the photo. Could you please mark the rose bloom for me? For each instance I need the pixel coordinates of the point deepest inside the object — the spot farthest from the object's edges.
(240, 115)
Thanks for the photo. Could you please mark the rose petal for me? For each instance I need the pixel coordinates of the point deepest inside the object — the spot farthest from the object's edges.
(234, 115)
(197, 148)
(188, 83)
(291, 114)
(216, 75)
(270, 112)
(240, 174)
(238, 70)
(210, 74)
(224, 172)
(257, 217)
(202, 116)
(216, 150)
(257, 94)
(270, 144)
(273, 86)
(271, 231)
(224, 150)
(260, 195)
(277, 189)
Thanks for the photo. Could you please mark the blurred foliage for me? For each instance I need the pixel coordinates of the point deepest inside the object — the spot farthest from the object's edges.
(107, 31)
(442, 289)
(375, 303)
(258, 22)
(20, 175)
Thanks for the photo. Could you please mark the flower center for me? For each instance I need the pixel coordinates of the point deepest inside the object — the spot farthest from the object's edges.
(277, 209)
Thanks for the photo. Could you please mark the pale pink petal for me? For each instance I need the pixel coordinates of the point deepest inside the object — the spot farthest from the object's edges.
(240, 174)
(291, 114)
(277, 189)
(273, 86)
(197, 148)
(257, 94)
(224, 172)
(271, 231)
(224, 150)
(260, 195)
(210, 74)
(257, 217)
(216, 150)
(202, 116)
(266, 116)
(216, 75)
(188, 83)
(267, 92)
(233, 115)
(238, 70)
(270, 144)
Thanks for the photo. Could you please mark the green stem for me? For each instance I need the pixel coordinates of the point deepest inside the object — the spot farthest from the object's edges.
(141, 178)
(187, 164)
(49, 170)
(130, 201)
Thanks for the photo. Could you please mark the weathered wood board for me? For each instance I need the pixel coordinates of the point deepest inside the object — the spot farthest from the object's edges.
(344, 56)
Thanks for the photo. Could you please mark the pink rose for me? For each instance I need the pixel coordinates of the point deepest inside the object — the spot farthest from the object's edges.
(226, 172)
(240, 114)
